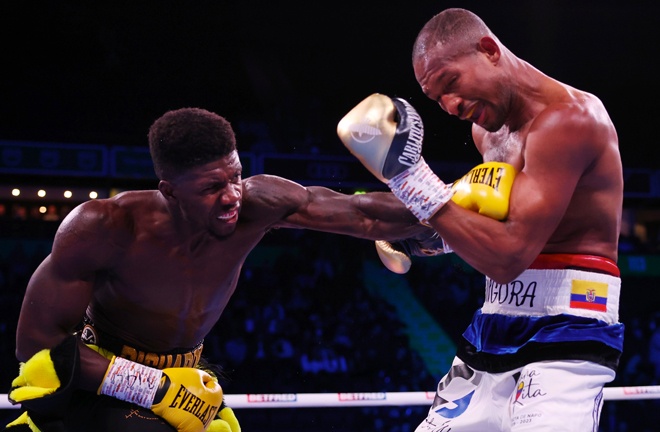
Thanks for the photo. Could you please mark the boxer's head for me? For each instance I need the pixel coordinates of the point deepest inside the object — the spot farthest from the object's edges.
(195, 157)
(187, 138)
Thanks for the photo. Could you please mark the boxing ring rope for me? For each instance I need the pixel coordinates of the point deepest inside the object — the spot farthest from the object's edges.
(373, 399)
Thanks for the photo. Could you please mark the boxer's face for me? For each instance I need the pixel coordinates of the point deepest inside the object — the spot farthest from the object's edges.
(466, 86)
(209, 197)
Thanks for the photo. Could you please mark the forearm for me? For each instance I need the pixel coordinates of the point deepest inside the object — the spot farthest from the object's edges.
(93, 367)
(92, 364)
(388, 218)
(489, 246)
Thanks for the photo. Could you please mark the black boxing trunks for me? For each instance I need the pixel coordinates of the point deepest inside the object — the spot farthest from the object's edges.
(91, 412)
(109, 345)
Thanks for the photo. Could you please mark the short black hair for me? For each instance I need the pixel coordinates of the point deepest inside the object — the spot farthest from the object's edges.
(188, 137)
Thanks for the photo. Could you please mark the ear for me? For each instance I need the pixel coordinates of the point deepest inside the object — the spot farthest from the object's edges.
(490, 48)
(167, 190)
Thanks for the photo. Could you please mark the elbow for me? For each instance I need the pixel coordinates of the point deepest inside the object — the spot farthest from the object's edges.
(507, 269)
(28, 347)
(23, 355)
(503, 277)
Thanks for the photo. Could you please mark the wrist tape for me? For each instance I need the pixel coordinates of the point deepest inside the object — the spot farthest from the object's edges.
(420, 190)
(131, 382)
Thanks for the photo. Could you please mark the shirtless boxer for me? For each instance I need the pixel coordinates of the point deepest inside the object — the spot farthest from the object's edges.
(150, 273)
(538, 353)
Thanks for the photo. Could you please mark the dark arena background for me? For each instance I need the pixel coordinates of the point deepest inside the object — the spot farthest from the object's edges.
(313, 313)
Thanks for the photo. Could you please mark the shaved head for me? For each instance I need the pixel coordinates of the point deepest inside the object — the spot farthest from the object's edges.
(457, 31)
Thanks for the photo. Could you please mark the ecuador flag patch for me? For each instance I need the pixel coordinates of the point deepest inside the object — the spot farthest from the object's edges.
(589, 295)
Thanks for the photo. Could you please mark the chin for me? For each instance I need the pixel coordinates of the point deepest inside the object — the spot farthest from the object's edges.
(225, 230)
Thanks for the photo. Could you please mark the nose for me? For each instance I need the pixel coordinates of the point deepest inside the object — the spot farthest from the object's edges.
(451, 104)
(231, 195)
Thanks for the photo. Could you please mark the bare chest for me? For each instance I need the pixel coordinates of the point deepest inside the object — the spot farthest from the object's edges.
(504, 146)
(160, 278)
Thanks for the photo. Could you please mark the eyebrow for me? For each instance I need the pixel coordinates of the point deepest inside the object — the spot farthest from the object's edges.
(437, 79)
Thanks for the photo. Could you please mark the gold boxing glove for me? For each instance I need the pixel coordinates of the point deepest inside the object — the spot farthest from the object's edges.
(486, 189)
(395, 255)
(386, 135)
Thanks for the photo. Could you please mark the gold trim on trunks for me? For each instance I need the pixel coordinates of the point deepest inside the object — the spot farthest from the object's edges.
(162, 361)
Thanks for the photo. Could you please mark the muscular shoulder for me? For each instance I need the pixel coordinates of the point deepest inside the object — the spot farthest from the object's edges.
(582, 119)
(103, 225)
(578, 130)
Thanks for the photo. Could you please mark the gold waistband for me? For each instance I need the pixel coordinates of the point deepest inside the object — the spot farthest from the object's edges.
(109, 346)
(158, 361)
(162, 361)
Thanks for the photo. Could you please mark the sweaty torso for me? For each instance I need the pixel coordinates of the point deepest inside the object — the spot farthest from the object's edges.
(590, 224)
(164, 293)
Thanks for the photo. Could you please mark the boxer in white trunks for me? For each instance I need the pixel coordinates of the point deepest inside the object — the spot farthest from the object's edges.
(538, 353)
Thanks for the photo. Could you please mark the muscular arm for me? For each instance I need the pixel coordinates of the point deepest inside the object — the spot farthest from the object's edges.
(374, 216)
(562, 145)
(61, 288)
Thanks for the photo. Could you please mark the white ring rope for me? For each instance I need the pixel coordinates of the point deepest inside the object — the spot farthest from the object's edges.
(356, 399)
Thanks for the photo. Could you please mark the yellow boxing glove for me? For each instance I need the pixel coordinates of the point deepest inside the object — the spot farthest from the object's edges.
(486, 189)
(187, 398)
(21, 423)
(225, 421)
(37, 378)
(44, 385)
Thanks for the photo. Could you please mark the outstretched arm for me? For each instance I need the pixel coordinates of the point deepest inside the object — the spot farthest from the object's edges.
(374, 215)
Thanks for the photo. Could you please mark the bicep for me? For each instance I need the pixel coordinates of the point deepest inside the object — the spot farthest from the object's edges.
(53, 305)
(543, 190)
(61, 287)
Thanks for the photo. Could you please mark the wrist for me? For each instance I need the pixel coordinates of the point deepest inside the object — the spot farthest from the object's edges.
(131, 382)
(422, 192)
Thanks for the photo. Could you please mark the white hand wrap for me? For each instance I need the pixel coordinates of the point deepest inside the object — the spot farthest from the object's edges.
(420, 190)
(131, 382)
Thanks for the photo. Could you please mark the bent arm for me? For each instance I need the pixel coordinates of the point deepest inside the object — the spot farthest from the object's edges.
(558, 152)
(60, 289)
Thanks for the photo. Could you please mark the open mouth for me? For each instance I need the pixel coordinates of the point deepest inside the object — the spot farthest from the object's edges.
(474, 114)
(230, 215)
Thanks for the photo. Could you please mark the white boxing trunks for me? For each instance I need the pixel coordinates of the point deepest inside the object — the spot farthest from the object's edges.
(537, 354)
(552, 396)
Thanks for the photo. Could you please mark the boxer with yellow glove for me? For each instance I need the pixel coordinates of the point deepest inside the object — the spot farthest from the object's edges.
(386, 135)
(186, 398)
